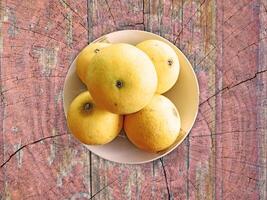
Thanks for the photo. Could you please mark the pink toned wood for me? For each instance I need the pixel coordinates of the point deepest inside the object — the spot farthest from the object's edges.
(239, 125)
(39, 41)
(261, 92)
(224, 156)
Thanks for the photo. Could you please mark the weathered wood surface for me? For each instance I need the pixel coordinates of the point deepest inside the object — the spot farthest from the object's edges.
(224, 156)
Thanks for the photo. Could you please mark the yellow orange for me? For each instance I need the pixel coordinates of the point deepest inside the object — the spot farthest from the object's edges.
(90, 124)
(155, 127)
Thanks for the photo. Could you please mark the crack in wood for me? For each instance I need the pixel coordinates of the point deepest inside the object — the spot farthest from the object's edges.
(238, 11)
(228, 37)
(223, 133)
(109, 9)
(247, 47)
(66, 18)
(237, 173)
(91, 177)
(231, 87)
(132, 25)
(265, 7)
(92, 196)
(207, 123)
(74, 11)
(235, 32)
(166, 179)
(89, 6)
(206, 56)
(144, 14)
(191, 17)
(29, 144)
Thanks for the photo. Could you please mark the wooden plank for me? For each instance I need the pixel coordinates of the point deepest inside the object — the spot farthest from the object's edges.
(111, 180)
(261, 103)
(165, 18)
(190, 175)
(175, 177)
(164, 24)
(2, 180)
(40, 40)
(198, 39)
(237, 135)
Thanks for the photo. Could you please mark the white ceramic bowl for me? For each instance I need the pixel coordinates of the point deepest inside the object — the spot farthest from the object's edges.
(184, 94)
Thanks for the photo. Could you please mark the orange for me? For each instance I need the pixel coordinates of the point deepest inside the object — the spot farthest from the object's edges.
(155, 127)
(90, 124)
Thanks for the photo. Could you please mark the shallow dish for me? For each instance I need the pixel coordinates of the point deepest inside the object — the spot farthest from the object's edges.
(184, 94)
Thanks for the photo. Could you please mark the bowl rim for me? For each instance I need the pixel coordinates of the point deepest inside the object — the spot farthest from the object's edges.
(101, 38)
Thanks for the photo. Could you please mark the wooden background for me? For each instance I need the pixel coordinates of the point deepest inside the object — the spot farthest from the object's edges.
(224, 156)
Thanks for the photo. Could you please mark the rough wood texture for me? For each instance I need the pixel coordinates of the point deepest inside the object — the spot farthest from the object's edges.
(224, 156)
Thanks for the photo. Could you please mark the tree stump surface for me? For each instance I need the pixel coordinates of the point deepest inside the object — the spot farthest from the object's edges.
(224, 156)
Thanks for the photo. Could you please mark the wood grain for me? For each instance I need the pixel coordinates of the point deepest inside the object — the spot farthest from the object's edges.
(237, 148)
(39, 42)
(224, 157)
